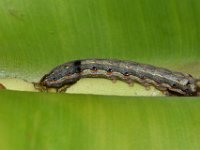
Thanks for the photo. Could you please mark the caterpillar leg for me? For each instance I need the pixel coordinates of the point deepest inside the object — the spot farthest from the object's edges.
(39, 87)
(63, 89)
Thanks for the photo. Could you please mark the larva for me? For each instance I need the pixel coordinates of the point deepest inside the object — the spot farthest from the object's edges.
(65, 75)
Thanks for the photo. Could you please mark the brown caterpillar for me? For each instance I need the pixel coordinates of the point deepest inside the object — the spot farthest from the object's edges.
(174, 83)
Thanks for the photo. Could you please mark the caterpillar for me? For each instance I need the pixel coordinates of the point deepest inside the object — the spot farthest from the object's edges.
(170, 82)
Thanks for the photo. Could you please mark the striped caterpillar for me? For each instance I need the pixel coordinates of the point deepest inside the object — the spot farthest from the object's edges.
(170, 82)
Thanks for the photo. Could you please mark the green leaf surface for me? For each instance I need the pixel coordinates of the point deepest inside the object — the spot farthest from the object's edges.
(61, 121)
(37, 35)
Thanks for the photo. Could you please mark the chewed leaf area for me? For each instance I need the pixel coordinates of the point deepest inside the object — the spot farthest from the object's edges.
(87, 86)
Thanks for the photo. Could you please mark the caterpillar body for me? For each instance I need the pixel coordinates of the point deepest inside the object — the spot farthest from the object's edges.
(171, 82)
